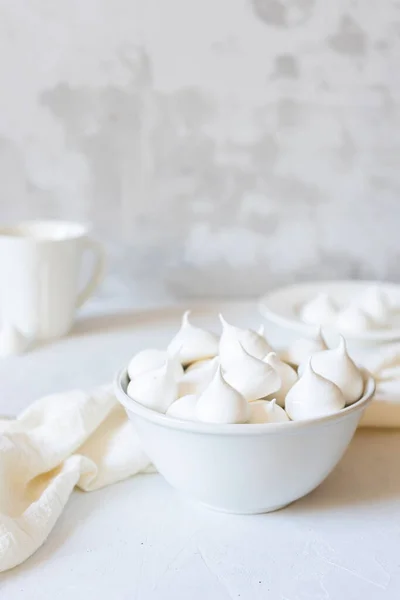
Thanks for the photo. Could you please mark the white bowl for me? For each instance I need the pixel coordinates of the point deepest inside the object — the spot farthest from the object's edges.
(246, 468)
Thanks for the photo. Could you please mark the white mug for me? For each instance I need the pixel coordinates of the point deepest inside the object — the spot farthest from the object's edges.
(40, 263)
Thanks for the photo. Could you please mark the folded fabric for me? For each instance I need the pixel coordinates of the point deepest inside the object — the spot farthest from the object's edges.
(384, 364)
(85, 440)
(59, 442)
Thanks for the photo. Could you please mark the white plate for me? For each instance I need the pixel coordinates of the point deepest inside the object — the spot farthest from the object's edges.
(281, 306)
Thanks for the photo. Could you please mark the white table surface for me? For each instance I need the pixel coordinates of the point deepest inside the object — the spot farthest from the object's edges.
(140, 540)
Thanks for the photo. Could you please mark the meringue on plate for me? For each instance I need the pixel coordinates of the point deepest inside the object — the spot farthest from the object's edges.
(233, 340)
(193, 343)
(376, 304)
(353, 319)
(221, 403)
(337, 366)
(252, 377)
(313, 396)
(320, 310)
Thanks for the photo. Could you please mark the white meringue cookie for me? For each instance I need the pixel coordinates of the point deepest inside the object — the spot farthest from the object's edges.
(252, 377)
(353, 320)
(221, 403)
(193, 343)
(265, 411)
(199, 365)
(313, 396)
(184, 408)
(321, 310)
(150, 359)
(376, 303)
(12, 342)
(337, 366)
(288, 376)
(197, 377)
(229, 345)
(156, 389)
(301, 350)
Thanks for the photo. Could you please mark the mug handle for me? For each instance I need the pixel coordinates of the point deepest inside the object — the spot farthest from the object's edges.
(98, 272)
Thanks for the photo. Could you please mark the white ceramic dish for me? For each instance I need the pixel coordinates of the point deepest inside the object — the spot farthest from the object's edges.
(281, 306)
(246, 468)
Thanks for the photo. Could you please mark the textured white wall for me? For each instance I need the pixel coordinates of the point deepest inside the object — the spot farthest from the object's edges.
(221, 146)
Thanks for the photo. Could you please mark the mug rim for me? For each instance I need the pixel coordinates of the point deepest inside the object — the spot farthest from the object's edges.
(23, 230)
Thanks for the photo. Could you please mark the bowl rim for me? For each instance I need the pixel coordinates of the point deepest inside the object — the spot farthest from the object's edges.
(239, 428)
(295, 324)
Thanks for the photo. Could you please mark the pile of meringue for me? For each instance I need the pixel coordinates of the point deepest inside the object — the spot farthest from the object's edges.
(373, 309)
(238, 378)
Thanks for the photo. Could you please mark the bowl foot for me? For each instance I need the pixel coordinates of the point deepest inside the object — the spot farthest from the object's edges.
(251, 511)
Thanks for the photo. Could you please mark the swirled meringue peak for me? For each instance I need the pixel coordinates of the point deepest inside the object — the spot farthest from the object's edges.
(184, 408)
(197, 376)
(320, 310)
(221, 403)
(353, 320)
(156, 389)
(150, 359)
(286, 373)
(267, 411)
(252, 377)
(337, 366)
(233, 339)
(301, 350)
(313, 396)
(193, 343)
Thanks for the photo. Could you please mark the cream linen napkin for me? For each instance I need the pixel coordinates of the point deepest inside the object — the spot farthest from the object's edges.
(59, 442)
(384, 364)
(86, 440)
